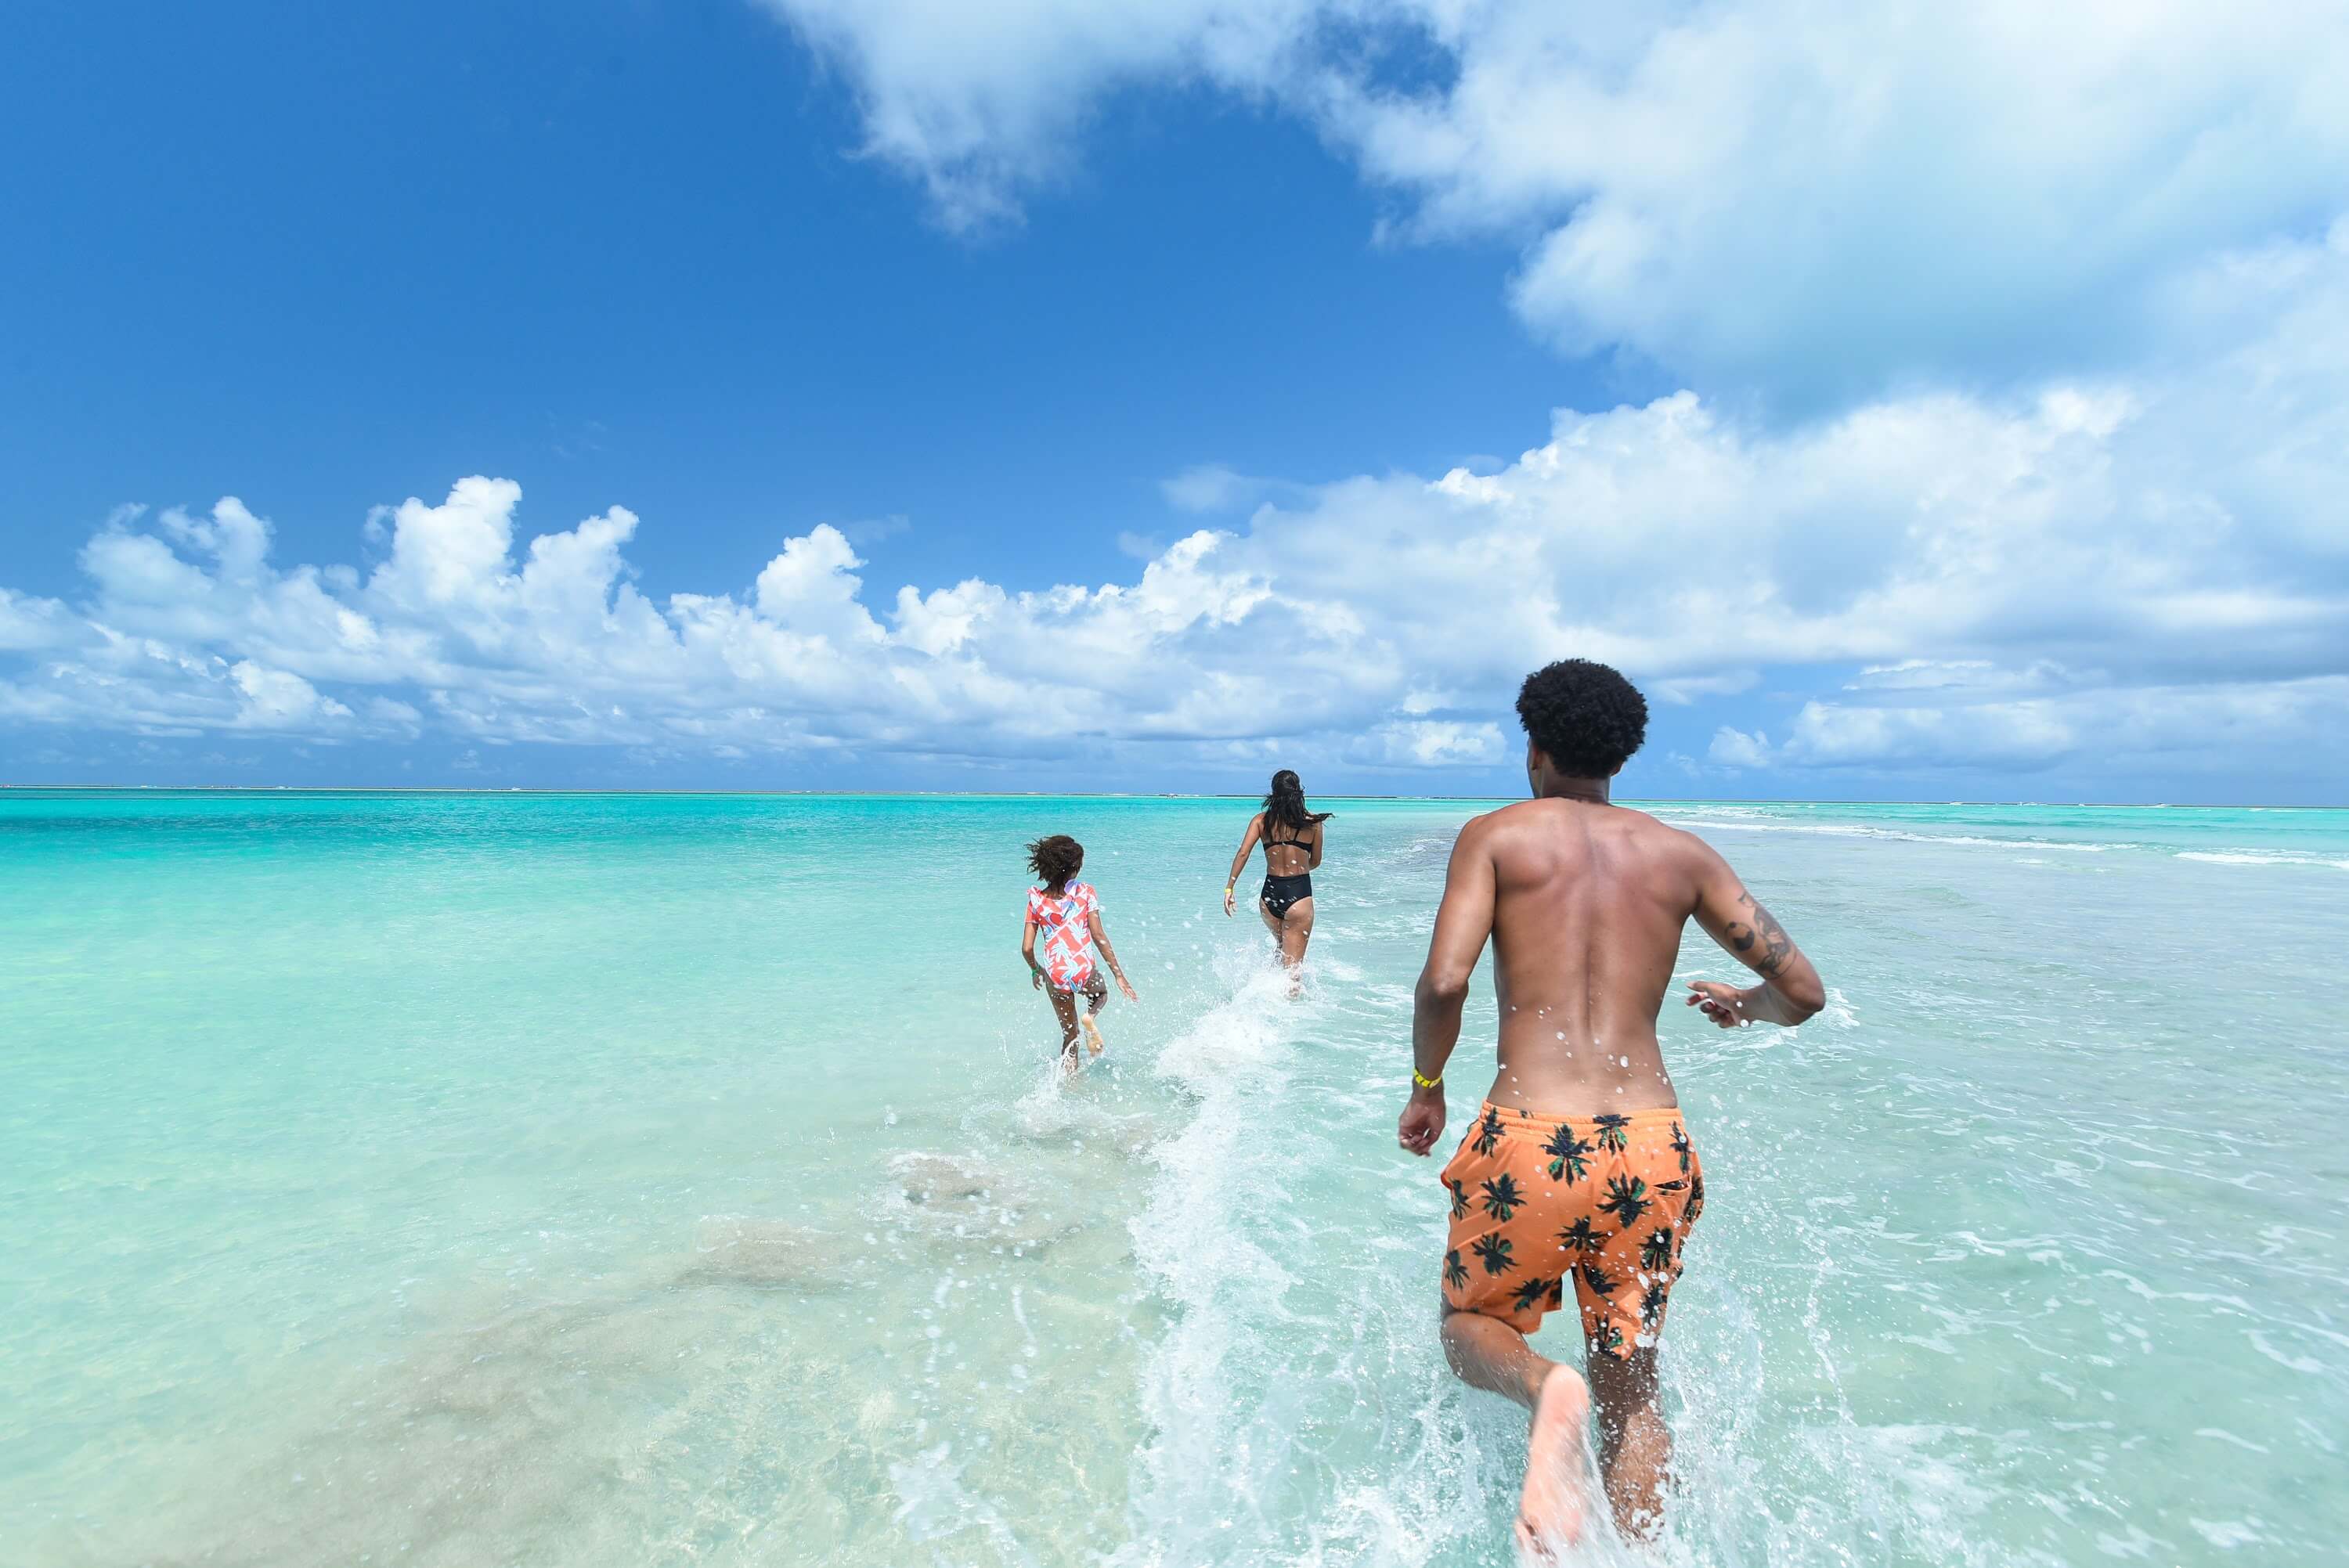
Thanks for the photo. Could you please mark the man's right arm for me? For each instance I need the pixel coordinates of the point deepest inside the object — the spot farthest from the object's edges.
(1790, 990)
(1463, 921)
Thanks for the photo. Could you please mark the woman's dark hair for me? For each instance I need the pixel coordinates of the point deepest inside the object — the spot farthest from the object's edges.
(1056, 859)
(1586, 718)
(1286, 805)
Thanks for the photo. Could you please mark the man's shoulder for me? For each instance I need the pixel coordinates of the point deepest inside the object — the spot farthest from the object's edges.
(1512, 832)
(1654, 827)
(1499, 819)
(1527, 823)
(1543, 812)
(1657, 837)
(1516, 812)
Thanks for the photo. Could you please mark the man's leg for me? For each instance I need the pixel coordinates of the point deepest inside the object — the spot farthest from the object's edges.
(1488, 1353)
(1635, 1446)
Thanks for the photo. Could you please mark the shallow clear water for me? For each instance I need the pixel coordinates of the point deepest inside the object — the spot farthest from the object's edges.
(580, 1180)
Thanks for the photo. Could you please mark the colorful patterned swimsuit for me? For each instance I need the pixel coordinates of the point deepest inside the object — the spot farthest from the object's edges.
(1067, 924)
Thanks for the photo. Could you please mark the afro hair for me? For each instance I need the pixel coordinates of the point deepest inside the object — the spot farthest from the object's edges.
(1056, 859)
(1586, 718)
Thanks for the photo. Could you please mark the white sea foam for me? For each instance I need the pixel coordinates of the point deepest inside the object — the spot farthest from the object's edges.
(1903, 835)
(1197, 1242)
(933, 1505)
(2259, 858)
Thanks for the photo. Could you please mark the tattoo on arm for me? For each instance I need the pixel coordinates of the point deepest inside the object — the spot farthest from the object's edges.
(1775, 943)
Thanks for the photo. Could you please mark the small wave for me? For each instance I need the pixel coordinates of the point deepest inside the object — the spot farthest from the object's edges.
(2259, 858)
(1852, 830)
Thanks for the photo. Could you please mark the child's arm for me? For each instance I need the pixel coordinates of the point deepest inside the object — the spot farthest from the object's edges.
(1248, 842)
(1109, 955)
(1027, 951)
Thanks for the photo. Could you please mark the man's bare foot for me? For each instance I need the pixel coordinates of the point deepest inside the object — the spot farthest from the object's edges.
(1549, 1511)
(1093, 1041)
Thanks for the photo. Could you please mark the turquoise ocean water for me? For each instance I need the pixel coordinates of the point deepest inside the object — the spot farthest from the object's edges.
(607, 1179)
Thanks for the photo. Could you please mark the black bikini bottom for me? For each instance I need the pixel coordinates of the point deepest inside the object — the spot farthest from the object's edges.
(1280, 893)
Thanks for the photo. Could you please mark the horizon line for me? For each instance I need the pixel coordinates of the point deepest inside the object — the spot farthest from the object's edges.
(1107, 795)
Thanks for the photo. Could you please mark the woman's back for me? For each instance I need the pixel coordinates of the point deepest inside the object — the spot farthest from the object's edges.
(1290, 831)
(1288, 850)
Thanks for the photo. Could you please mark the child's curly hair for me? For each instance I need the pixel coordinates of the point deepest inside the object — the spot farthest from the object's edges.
(1056, 859)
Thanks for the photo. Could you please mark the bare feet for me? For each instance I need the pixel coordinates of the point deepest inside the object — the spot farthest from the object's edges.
(1093, 1041)
(1549, 1511)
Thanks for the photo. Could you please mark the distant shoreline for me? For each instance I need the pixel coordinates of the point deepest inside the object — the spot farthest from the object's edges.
(1091, 795)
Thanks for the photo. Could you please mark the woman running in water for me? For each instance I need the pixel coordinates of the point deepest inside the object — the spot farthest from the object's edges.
(1292, 838)
(1067, 913)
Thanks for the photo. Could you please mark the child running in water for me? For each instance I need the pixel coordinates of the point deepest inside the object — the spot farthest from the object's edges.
(1068, 914)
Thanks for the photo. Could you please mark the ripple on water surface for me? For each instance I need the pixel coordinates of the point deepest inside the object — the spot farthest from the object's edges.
(625, 1209)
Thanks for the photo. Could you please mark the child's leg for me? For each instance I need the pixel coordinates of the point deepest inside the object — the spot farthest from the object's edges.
(1064, 1008)
(1097, 995)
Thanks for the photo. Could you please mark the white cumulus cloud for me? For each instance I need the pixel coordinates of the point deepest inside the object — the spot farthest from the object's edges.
(2015, 431)
(2101, 570)
(1820, 199)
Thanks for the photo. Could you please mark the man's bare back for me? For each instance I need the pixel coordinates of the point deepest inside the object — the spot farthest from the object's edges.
(1580, 1179)
(1587, 902)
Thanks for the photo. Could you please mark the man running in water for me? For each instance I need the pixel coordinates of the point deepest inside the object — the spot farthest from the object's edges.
(1579, 1173)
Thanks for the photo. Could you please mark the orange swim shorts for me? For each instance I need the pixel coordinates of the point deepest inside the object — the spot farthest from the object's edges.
(1604, 1200)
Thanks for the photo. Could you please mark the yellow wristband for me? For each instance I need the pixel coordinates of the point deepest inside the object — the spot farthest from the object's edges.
(1424, 1083)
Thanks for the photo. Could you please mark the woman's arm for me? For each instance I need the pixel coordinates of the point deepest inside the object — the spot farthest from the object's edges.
(1109, 955)
(1321, 836)
(1239, 861)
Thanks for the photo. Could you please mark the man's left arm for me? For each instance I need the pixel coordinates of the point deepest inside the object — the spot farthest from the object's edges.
(1463, 922)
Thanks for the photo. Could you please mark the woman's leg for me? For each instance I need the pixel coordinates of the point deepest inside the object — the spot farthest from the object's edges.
(1296, 931)
(1271, 920)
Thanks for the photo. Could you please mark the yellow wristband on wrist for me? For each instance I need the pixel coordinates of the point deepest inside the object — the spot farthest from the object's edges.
(1422, 1081)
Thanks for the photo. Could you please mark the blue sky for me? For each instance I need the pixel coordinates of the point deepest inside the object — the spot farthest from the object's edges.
(1232, 385)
